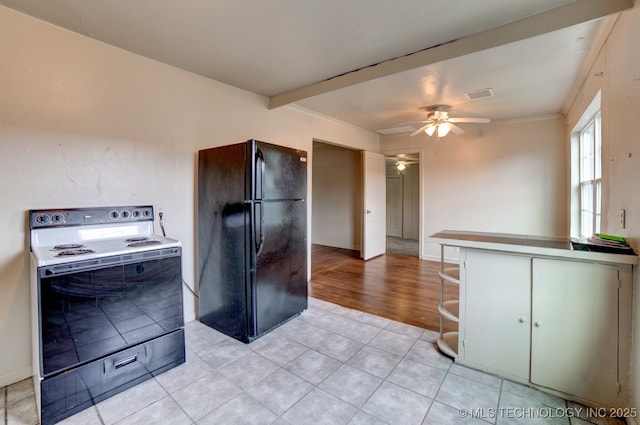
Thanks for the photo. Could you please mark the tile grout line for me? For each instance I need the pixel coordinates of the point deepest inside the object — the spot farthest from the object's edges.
(170, 395)
(433, 400)
(418, 338)
(384, 379)
(317, 386)
(391, 372)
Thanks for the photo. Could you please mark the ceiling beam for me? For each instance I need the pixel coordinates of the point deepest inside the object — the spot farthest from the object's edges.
(562, 17)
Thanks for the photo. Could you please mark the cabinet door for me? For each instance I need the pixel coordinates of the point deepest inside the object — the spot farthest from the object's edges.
(574, 340)
(497, 304)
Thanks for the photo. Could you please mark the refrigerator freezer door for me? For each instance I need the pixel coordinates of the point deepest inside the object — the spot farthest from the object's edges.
(280, 172)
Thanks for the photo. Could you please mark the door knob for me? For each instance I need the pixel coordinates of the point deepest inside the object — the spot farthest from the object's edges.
(522, 319)
(367, 211)
(538, 324)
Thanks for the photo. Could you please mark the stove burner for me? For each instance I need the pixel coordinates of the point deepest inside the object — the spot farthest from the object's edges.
(72, 252)
(136, 239)
(67, 246)
(143, 243)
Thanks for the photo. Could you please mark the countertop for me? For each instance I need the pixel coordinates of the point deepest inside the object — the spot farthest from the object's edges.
(527, 244)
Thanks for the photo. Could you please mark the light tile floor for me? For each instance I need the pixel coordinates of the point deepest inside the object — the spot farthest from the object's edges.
(330, 365)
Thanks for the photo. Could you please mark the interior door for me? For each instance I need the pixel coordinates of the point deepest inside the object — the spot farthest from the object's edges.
(394, 206)
(374, 205)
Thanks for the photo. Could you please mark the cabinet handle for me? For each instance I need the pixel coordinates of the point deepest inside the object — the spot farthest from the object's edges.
(522, 319)
(538, 324)
(123, 363)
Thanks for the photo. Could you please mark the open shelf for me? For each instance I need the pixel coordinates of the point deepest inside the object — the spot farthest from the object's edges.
(448, 343)
(450, 310)
(451, 274)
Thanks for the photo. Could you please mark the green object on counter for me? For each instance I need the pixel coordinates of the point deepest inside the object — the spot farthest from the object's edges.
(611, 237)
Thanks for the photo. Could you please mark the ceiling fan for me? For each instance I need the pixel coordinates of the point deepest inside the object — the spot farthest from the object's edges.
(402, 161)
(439, 122)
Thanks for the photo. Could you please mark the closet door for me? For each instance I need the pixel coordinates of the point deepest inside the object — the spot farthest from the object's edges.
(574, 339)
(497, 305)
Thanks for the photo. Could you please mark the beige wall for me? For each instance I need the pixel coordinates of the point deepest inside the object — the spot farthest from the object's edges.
(616, 72)
(508, 178)
(337, 193)
(86, 124)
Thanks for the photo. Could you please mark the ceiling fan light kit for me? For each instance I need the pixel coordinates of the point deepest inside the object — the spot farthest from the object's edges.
(443, 129)
(439, 122)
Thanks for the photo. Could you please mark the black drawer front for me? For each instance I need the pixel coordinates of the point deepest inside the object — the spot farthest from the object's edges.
(72, 391)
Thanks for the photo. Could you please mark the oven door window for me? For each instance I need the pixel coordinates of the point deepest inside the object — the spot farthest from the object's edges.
(90, 314)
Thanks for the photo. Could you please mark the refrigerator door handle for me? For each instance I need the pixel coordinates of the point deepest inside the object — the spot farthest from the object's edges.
(259, 225)
(259, 176)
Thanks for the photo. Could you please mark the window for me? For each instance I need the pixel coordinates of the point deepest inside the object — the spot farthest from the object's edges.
(586, 172)
(590, 182)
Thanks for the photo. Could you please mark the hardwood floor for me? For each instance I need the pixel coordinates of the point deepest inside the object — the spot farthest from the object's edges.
(397, 287)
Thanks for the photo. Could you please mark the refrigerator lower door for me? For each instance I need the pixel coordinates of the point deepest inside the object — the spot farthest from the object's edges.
(280, 280)
(223, 272)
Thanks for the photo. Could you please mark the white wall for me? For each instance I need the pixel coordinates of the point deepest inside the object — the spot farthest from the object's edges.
(616, 72)
(337, 193)
(86, 124)
(508, 178)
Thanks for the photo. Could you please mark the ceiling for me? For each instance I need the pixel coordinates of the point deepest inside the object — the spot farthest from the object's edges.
(371, 63)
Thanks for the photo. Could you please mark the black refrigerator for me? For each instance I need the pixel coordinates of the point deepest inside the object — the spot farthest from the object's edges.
(252, 237)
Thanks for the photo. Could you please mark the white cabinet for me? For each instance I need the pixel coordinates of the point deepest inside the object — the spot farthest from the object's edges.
(578, 310)
(555, 323)
(495, 320)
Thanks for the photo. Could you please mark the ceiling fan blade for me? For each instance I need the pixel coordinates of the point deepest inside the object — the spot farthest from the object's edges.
(421, 129)
(476, 120)
(415, 122)
(456, 130)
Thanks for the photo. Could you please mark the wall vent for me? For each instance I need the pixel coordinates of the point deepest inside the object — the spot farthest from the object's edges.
(479, 94)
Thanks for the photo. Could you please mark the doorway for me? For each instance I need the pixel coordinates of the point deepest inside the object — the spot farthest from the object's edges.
(336, 218)
(403, 204)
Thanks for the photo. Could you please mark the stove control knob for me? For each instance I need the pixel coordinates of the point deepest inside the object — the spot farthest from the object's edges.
(114, 215)
(42, 219)
(125, 214)
(57, 218)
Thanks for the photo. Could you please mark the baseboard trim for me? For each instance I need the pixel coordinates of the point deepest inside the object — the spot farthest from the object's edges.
(15, 376)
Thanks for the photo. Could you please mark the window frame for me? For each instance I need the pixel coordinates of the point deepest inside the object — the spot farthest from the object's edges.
(591, 117)
(590, 172)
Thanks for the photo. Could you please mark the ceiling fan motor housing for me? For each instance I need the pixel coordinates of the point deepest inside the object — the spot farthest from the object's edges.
(438, 115)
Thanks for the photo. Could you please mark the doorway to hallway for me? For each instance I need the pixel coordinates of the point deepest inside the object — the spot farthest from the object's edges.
(403, 204)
